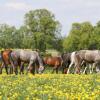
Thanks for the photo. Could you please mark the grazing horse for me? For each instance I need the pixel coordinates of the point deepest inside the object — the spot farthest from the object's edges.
(71, 60)
(89, 56)
(54, 62)
(66, 60)
(27, 56)
(5, 55)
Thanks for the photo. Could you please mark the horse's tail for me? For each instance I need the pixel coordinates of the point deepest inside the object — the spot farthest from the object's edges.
(73, 57)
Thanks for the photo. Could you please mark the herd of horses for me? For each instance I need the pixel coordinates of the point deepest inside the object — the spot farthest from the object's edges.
(15, 60)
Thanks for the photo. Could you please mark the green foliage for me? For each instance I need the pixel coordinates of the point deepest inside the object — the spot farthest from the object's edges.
(6, 34)
(44, 28)
(40, 31)
(83, 36)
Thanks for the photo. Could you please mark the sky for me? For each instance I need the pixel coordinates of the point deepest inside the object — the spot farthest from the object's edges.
(66, 11)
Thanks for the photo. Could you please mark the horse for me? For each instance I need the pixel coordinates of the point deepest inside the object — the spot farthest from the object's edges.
(27, 56)
(66, 60)
(69, 60)
(5, 55)
(73, 59)
(89, 56)
(54, 62)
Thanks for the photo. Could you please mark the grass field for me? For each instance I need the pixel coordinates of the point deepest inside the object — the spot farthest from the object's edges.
(50, 87)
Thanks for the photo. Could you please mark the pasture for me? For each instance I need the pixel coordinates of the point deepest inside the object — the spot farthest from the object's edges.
(40, 59)
(50, 87)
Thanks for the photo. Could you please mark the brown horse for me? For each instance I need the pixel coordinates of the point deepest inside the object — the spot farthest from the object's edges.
(5, 54)
(54, 62)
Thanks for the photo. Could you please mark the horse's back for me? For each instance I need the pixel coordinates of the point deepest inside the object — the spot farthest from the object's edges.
(52, 60)
(95, 55)
(27, 55)
(90, 55)
(66, 56)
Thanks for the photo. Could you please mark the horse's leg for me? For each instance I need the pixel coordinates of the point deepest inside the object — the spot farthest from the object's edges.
(14, 66)
(77, 66)
(91, 68)
(57, 69)
(33, 68)
(68, 71)
(29, 66)
(16, 70)
(11, 70)
(2, 65)
(77, 70)
(85, 70)
(0, 70)
(65, 70)
(6, 68)
(78, 62)
(97, 67)
(22, 68)
(54, 68)
(36, 67)
(94, 67)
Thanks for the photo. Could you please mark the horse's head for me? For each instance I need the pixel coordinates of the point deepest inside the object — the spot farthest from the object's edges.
(41, 69)
(40, 63)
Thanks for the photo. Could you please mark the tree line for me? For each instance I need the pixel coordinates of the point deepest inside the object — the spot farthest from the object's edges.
(42, 31)
(82, 36)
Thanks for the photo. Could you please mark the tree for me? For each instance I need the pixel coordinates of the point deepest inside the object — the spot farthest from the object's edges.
(80, 37)
(43, 25)
(6, 36)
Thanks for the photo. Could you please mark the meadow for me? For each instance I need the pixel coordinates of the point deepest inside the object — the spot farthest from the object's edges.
(50, 87)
